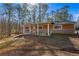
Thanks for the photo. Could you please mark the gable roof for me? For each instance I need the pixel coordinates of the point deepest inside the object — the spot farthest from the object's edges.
(53, 22)
(64, 22)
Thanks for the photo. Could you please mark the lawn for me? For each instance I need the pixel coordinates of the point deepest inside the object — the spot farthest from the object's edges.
(56, 44)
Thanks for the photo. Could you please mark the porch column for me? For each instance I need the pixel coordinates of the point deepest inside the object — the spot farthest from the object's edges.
(37, 29)
(48, 29)
(23, 29)
(29, 28)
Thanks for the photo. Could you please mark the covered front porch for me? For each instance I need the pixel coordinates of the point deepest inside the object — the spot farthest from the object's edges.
(43, 29)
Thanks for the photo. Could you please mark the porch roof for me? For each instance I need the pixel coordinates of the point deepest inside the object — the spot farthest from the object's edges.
(38, 23)
(54, 22)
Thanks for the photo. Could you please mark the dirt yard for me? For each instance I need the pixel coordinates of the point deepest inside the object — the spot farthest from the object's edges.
(30, 45)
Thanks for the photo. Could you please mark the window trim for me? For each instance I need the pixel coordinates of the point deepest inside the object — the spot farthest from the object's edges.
(57, 25)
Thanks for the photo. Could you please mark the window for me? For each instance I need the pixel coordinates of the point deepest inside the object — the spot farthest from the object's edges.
(57, 27)
(26, 29)
(40, 27)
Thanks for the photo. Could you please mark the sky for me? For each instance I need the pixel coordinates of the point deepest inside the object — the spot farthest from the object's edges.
(73, 8)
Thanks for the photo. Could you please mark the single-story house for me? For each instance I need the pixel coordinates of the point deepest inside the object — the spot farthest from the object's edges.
(48, 28)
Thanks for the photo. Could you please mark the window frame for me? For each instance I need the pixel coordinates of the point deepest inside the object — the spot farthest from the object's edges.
(56, 28)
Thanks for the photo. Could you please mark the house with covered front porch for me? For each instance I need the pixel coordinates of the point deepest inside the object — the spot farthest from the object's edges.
(47, 28)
